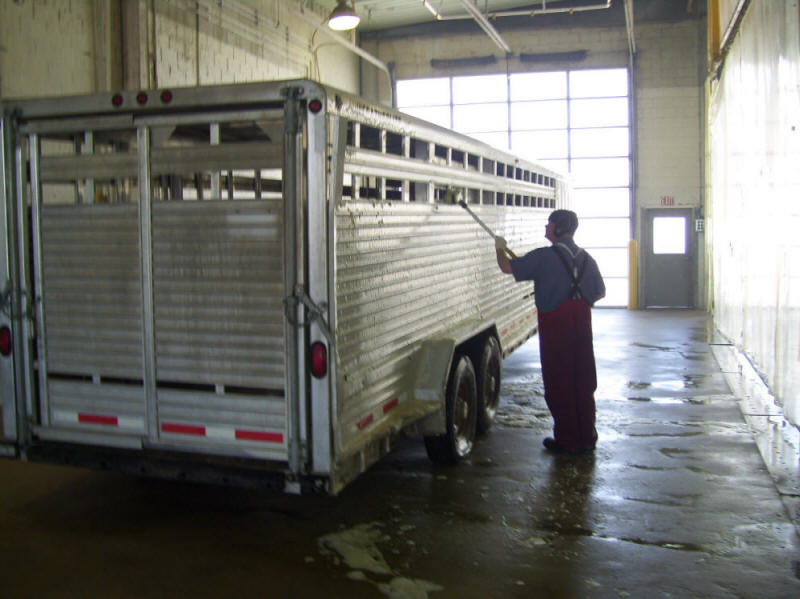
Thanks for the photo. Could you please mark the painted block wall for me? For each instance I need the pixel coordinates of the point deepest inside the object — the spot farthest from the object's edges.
(670, 114)
(52, 47)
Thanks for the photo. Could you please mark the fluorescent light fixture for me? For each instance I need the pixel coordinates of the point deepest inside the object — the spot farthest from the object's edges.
(343, 17)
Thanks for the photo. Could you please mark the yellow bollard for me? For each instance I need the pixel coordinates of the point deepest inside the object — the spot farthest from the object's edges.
(633, 275)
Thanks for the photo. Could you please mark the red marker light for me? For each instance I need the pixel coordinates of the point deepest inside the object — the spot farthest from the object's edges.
(116, 99)
(315, 105)
(141, 97)
(319, 359)
(5, 341)
(166, 96)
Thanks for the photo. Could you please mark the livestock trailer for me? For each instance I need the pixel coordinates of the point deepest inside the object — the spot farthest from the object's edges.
(267, 283)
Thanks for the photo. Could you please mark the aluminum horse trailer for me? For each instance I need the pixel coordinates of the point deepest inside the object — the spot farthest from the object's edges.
(267, 283)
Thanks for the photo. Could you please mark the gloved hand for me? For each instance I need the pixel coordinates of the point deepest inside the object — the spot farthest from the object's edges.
(500, 242)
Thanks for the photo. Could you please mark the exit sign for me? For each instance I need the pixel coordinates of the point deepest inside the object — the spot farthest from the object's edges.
(667, 200)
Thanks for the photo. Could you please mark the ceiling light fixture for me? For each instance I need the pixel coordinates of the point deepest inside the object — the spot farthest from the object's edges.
(343, 17)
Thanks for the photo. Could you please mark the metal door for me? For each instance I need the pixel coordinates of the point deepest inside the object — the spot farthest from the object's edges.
(158, 264)
(669, 258)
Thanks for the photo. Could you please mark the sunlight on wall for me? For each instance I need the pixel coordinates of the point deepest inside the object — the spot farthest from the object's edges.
(755, 186)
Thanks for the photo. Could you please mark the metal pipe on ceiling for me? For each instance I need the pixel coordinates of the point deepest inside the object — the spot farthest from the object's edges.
(484, 24)
(629, 27)
(431, 9)
(530, 12)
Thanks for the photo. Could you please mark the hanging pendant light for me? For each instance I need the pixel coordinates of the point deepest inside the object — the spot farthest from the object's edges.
(343, 17)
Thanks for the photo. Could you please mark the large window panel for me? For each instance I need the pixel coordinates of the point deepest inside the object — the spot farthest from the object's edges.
(604, 201)
(560, 165)
(613, 262)
(616, 292)
(538, 86)
(607, 112)
(539, 115)
(496, 139)
(538, 145)
(435, 114)
(601, 172)
(574, 122)
(481, 88)
(423, 92)
(612, 141)
(603, 233)
(598, 83)
(471, 118)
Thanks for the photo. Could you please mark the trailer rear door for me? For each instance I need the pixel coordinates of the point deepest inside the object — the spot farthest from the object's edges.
(155, 251)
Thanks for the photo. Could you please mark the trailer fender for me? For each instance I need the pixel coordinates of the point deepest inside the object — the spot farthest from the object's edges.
(431, 369)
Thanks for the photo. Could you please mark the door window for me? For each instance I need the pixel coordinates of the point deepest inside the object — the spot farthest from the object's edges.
(669, 235)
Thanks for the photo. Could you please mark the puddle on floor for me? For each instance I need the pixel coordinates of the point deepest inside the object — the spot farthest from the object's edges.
(357, 549)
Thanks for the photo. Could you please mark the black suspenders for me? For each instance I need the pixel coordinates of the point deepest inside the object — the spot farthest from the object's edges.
(575, 290)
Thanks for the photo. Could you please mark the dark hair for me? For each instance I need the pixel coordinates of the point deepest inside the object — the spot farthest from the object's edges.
(566, 222)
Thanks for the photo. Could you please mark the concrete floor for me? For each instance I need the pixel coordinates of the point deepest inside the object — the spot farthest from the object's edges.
(676, 502)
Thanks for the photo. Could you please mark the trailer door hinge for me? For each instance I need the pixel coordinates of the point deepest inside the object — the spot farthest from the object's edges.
(314, 313)
(5, 300)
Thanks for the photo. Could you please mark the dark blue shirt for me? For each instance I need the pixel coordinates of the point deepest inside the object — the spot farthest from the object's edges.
(552, 282)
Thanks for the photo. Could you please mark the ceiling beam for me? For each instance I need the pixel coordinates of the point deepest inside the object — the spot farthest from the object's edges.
(484, 24)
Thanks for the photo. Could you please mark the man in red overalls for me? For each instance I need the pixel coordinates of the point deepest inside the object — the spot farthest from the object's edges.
(566, 283)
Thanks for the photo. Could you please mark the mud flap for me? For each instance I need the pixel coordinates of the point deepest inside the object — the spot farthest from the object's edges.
(431, 368)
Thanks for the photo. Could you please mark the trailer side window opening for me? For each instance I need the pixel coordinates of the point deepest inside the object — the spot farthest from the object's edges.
(367, 143)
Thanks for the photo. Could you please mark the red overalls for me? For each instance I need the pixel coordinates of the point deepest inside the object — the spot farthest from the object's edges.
(568, 367)
(568, 372)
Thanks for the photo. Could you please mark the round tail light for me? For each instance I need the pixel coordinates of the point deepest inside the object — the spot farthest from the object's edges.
(5, 341)
(319, 359)
(315, 105)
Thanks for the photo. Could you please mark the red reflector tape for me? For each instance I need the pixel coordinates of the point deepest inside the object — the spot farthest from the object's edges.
(242, 435)
(183, 429)
(98, 419)
(391, 405)
(365, 422)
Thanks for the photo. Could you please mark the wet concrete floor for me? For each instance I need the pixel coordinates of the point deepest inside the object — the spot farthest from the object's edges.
(675, 502)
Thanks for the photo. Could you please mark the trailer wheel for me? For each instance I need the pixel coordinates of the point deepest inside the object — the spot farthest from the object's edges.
(461, 409)
(488, 377)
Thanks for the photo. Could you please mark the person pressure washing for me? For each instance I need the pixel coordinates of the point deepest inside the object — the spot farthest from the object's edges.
(567, 283)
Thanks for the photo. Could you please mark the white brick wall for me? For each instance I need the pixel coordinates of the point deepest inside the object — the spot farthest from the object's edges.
(47, 47)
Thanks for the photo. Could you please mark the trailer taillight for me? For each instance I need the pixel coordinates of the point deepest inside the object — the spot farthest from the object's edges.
(5, 341)
(141, 97)
(166, 96)
(117, 99)
(319, 359)
(315, 105)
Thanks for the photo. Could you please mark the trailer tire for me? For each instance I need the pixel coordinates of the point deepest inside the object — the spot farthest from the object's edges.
(488, 377)
(461, 411)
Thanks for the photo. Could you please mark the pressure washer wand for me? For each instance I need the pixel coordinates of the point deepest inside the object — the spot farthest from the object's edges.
(464, 205)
